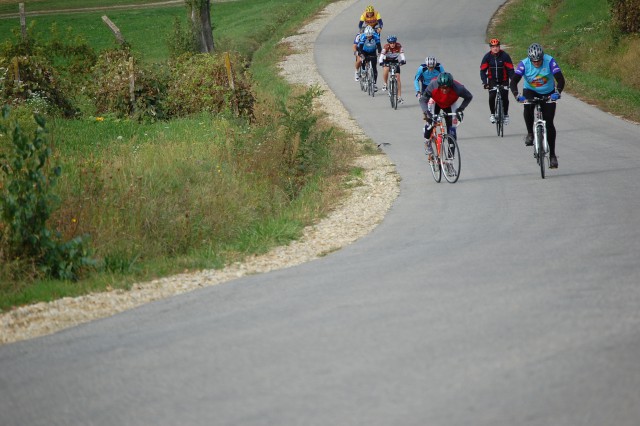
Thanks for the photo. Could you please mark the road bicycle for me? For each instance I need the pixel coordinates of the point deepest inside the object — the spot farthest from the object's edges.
(446, 152)
(540, 143)
(499, 109)
(392, 87)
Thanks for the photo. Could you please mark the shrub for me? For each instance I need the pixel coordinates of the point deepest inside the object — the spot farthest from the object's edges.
(26, 204)
(200, 83)
(626, 15)
(112, 91)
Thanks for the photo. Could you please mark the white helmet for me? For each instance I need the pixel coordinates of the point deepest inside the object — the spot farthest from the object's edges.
(430, 61)
(368, 31)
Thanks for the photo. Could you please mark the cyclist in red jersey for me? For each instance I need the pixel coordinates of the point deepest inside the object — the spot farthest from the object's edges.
(392, 53)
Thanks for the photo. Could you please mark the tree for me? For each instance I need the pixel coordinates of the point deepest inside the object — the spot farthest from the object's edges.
(200, 15)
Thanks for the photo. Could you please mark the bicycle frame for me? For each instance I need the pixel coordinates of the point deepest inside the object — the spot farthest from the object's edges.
(540, 142)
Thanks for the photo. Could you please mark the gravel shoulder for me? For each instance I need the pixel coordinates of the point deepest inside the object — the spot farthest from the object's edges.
(356, 215)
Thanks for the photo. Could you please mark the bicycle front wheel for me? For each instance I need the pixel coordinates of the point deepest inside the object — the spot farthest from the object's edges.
(499, 116)
(450, 159)
(393, 93)
(434, 163)
(540, 131)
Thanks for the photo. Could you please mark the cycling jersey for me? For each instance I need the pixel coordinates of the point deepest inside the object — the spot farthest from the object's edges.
(424, 76)
(446, 100)
(496, 69)
(369, 46)
(540, 79)
(393, 53)
(375, 20)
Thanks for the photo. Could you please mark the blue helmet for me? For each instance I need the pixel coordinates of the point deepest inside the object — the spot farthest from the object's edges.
(392, 39)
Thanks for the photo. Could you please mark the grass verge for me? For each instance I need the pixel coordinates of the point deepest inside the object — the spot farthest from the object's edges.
(599, 63)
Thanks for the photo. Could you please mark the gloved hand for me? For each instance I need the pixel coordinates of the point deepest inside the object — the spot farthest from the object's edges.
(521, 99)
(486, 86)
(403, 62)
(555, 96)
(460, 114)
(417, 94)
(381, 63)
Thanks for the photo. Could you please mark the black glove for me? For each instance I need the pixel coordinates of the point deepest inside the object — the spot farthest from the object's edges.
(403, 62)
(486, 86)
(460, 114)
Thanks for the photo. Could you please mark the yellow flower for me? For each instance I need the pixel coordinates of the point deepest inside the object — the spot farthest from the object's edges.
(99, 118)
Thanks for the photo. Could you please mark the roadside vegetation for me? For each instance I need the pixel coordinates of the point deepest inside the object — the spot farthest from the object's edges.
(596, 43)
(190, 175)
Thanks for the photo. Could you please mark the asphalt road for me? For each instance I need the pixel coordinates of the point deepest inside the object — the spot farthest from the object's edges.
(504, 299)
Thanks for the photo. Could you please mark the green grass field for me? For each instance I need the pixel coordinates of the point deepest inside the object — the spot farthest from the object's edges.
(189, 193)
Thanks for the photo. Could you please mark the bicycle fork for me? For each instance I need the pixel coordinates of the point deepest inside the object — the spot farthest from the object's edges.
(540, 128)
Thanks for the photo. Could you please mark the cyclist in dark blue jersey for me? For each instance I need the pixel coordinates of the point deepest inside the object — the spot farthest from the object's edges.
(369, 47)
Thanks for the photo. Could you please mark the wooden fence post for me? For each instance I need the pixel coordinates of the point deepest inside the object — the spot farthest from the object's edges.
(227, 64)
(23, 21)
(114, 29)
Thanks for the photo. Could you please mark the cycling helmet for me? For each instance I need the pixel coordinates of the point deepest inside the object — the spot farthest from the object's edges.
(445, 79)
(369, 9)
(494, 42)
(430, 61)
(368, 31)
(535, 52)
(392, 39)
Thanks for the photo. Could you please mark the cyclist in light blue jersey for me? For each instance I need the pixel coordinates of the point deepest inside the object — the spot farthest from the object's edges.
(542, 77)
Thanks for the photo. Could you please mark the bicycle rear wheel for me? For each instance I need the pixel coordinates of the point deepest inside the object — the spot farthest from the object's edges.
(499, 115)
(434, 163)
(540, 131)
(393, 92)
(450, 159)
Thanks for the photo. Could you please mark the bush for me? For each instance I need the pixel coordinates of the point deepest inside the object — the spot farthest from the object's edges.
(626, 15)
(111, 86)
(200, 83)
(26, 204)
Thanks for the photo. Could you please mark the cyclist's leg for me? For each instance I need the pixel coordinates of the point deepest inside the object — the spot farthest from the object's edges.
(374, 65)
(528, 110)
(385, 72)
(399, 83)
(492, 102)
(549, 113)
(505, 100)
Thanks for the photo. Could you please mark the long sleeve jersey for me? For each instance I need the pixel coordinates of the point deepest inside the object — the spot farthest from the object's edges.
(446, 100)
(497, 69)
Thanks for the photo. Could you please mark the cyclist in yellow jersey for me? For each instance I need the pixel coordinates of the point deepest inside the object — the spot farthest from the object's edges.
(372, 18)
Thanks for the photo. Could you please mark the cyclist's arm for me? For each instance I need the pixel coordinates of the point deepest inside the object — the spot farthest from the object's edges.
(465, 94)
(484, 65)
(417, 79)
(514, 84)
(559, 81)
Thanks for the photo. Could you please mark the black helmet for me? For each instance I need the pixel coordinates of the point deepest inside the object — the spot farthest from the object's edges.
(445, 79)
(535, 52)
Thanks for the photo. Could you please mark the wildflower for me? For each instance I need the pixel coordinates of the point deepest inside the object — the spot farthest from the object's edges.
(99, 118)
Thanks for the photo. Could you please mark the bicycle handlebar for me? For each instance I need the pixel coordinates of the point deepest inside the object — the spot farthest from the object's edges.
(495, 88)
(539, 100)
